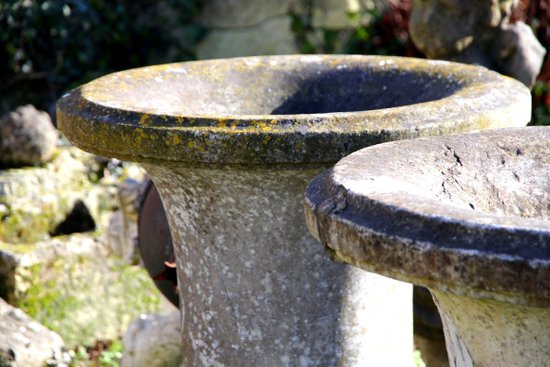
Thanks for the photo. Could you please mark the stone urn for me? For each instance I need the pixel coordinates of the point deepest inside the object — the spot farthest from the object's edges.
(231, 145)
(466, 215)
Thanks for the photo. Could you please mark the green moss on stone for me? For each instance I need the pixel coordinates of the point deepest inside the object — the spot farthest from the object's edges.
(21, 226)
(85, 298)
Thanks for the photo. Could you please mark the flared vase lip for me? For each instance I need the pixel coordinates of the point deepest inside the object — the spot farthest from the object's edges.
(406, 228)
(97, 119)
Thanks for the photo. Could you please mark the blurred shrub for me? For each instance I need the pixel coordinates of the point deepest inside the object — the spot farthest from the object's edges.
(49, 46)
(386, 34)
(538, 17)
(375, 32)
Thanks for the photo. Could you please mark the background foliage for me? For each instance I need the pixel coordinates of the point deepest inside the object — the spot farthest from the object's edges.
(536, 13)
(47, 47)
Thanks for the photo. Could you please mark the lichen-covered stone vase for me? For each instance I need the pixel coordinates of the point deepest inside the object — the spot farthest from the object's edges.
(466, 215)
(231, 145)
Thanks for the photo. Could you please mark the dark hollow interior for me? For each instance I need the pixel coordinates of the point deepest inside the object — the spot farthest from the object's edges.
(301, 88)
(360, 90)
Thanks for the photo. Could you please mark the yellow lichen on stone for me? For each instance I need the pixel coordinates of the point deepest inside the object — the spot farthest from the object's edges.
(144, 120)
(246, 95)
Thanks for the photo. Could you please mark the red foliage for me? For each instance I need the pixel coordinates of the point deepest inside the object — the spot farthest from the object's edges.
(395, 26)
(537, 15)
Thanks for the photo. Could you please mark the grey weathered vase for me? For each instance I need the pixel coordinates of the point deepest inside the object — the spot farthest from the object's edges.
(467, 216)
(231, 145)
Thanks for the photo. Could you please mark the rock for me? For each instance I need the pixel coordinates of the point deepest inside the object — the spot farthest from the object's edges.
(153, 340)
(24, 342)
(69, 283)
(122, 230)
(273, 36)
(34, 201)
(27, 137)
(477, 32)
(521, 54)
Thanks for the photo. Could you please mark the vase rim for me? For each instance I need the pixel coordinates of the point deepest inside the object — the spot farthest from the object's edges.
(143, 114)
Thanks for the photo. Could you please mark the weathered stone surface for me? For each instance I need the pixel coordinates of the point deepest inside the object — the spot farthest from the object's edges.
(27, 137)
(465, 215)
(24, 342)
(153, 340)
(34, 201)
(241, 13)
(492, 187)
(273, 36)
(249, 288)
(231, 170)
(71, 282)
(283, 109)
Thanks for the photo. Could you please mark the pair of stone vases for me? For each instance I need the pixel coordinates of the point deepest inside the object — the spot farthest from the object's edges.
(231, 146)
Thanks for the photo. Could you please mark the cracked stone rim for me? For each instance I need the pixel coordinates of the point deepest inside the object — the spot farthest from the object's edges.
(396, 229)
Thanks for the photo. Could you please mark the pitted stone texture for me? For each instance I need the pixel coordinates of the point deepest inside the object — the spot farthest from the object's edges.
(283, 109)
(27, 137)
(413, 197)
(256, 287)
(465, 215)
